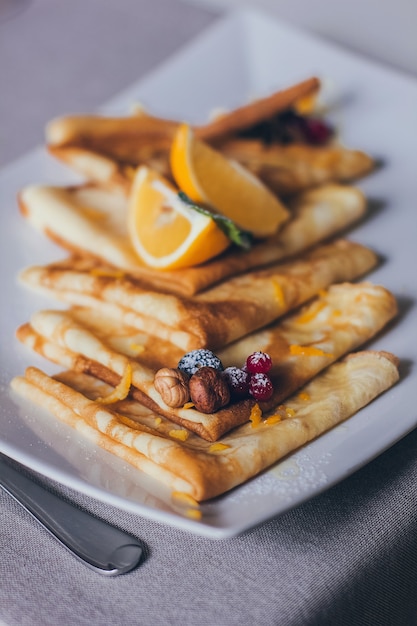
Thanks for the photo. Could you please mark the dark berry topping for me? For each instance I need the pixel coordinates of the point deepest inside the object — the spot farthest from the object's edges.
(316, 131)
(238, 381)
(290, 127)
(192, 361)
(258, 362)
(260, 387)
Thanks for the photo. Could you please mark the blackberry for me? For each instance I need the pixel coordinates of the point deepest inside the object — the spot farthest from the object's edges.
(192, 361)
(238, 381)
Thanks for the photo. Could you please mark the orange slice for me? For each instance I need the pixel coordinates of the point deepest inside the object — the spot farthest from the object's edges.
(208, 177)
(165, 232)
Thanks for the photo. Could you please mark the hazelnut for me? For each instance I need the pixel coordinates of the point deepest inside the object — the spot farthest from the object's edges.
(208, 389)
(172, 384)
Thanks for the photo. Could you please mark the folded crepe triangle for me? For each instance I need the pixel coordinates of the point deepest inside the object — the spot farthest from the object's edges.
(197, 468)
(301, 345)
(91, 222)
(217, 316)
(291, 296)
(107, 149)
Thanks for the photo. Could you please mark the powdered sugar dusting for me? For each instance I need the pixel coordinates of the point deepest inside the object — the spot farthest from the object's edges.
(236, 375)
(259, 362)
(292, 477)
(194, 360)
(238, 381)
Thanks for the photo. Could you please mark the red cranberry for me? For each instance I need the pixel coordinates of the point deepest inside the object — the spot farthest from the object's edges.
(260, 387)
(316, 131)
(259, 362)
(238, 381)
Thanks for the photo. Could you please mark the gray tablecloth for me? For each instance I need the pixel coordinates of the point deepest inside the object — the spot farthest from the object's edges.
(347, 557)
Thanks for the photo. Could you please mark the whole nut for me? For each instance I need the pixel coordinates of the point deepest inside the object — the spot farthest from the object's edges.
(208, 389)
(172, 384)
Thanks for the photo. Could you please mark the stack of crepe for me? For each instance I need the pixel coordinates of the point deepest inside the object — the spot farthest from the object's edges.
(292, 296)
(107, 150)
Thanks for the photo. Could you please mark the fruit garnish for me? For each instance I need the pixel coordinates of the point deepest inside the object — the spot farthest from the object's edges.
(218, 446)
(182, 496)
(308, 351)
(121, 391)
(194, 514)
(307, 104)
(260, 387)
(194, 360)
(273, 419)
(238, 381)
(179, 433)
(236, 235)
(258, 362)
(255, 416)
(165, 232)
(291, 127)
(209, 178)
(316, 131)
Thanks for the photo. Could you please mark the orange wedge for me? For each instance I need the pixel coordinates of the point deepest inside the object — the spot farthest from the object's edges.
(165, 232)
(208, 177)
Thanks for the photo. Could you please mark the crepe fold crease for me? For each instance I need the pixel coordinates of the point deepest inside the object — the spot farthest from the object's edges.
(91, 222)
(221, 314)
(106, 149)
(338, 321)
(191, 466)
(293, 295)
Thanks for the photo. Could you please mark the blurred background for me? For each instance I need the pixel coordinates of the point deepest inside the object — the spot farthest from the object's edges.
(384, 30)
(42, 75)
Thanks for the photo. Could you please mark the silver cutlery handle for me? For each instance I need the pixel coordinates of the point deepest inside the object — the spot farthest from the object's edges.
(104, 548)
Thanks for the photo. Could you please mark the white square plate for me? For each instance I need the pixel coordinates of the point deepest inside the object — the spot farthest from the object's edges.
(244, 55)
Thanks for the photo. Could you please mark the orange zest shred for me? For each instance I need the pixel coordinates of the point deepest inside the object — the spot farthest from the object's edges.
(179, 433)
(279, 293)
(360, 297)
(273, 419)
(311, 312)
(306, 104)
(137, 347)
(218, 447)
(194, 514)
(158, 421)
(289, 412)
(255, 416)
(188, 405)
(296, 350)
(303, 395)
(121, 391)
(107, 273)
(185, 498)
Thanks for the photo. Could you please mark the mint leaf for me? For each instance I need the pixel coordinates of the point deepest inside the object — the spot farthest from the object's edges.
(241, 238)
